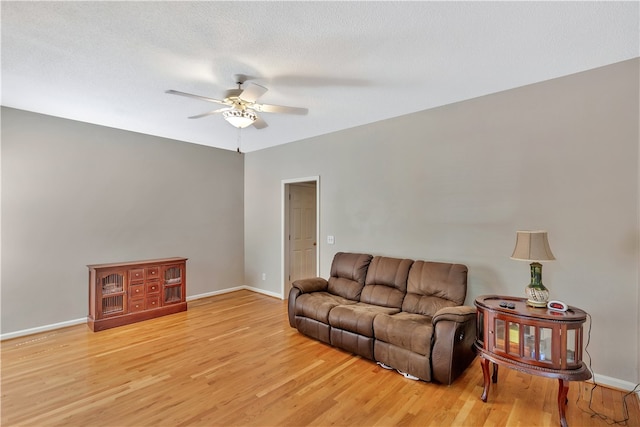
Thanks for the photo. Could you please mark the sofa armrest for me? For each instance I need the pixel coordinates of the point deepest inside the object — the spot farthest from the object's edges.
(298, 287)
(453, 337)
(458, 314)
(291, 306)
(315, 284)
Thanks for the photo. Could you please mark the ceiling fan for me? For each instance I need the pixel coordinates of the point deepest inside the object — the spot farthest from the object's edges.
(241, 106)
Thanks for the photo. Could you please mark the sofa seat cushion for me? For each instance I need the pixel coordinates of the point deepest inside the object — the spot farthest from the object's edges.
(357, 318)
(317, 305)
(406, 330)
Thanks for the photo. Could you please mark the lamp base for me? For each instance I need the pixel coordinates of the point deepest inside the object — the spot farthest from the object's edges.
(537, 304)
(537, 294)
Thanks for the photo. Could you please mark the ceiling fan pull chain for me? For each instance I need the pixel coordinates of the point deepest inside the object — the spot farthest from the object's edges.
(239, 130)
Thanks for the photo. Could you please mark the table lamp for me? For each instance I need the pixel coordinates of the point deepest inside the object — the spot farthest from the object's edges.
(534, 246)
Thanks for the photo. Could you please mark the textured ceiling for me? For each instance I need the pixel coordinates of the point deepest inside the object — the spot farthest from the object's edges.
(349, 63)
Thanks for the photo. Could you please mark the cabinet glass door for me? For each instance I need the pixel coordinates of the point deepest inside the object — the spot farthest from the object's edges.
(173, 280)
(514, 338)
(112, 292)
(546, 336)
(499, 335)
(529, 342)
(571, 346)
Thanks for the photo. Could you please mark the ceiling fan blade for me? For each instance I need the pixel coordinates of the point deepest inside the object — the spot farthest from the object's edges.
(253, 92)
(267, 108)
(209, 113)
(260, 123)
(190, 95)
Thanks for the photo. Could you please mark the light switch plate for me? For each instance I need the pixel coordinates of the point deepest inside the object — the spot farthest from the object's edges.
(331, 240)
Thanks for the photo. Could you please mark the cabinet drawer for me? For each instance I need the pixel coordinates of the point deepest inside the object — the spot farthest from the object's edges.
(153, 287)
(136, 305)
(136, 275)
(152, 273)
(136, 291)
(153, 302)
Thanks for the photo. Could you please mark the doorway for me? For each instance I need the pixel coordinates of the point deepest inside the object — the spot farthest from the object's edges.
(300, 230)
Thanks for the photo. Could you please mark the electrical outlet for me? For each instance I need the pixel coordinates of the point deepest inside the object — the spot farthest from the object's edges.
(331, 240)
(264, 276)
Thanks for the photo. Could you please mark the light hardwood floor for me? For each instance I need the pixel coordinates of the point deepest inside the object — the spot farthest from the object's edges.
(233, 360)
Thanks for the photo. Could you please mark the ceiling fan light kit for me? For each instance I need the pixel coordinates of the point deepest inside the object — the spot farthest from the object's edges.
(240, 119)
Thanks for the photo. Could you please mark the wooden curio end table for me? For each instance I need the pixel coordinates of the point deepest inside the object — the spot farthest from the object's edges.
(536, 341)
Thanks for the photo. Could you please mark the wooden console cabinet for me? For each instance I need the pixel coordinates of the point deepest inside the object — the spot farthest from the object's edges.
(537, 341)
(128, 292)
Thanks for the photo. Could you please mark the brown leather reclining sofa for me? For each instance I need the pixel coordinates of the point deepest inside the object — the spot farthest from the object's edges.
(407, 315)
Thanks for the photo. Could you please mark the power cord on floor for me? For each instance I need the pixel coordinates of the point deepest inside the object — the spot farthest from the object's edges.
(591, 411)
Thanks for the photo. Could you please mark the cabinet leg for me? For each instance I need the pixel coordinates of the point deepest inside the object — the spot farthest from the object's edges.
(563, 390)
(485, 374)
(494, 377)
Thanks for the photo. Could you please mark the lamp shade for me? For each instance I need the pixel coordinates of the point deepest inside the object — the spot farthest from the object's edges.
(532, 246)
(240, 118)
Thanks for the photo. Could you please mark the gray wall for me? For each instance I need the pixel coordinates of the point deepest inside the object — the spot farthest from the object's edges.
(455, 183)
(450, 184)
(75, 194)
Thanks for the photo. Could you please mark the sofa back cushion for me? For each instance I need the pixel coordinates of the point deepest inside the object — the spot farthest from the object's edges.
(386, 282)
(348, 272)
(435, 285)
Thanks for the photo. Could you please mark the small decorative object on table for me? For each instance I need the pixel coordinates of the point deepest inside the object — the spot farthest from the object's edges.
(557, 306)
(534, 246)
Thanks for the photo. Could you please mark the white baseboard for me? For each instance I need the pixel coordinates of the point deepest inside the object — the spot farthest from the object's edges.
(614, 383)
(237, 288)
(214, 293)
(44, 328)
(263, 292)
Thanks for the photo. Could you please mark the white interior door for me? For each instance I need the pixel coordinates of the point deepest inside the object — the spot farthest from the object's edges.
(302, 232)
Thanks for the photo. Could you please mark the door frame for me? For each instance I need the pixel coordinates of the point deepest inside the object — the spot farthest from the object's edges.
(284, 223)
